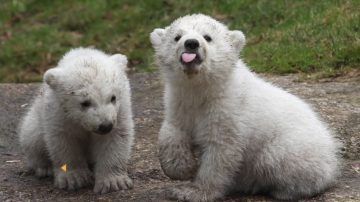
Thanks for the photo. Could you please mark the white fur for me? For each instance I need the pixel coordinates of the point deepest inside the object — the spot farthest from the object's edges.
(250, 136)
(58, 130)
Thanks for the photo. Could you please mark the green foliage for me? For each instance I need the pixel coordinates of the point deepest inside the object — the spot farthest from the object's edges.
(283, 36)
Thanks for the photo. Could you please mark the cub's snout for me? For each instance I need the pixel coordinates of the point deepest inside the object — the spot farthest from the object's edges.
(105, 128)
(191, 58)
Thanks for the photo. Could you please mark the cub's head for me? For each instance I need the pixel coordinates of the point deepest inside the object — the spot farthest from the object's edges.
(197, 44)
(89, 86)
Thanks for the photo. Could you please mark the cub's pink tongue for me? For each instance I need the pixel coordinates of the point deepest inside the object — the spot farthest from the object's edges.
(188, 57)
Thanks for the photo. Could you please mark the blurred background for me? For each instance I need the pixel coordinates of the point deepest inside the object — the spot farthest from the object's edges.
(314, 37)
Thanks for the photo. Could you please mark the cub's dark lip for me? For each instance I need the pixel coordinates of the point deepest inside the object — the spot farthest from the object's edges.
(196, 61)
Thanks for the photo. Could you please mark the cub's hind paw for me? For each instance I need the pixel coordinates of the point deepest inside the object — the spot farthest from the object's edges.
(113, 183)
(192, 193)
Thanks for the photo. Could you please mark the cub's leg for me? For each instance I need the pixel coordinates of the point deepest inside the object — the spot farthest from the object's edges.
(175, 155)
(111, 153)
(220, 160)
(33, 146)
(67, 148)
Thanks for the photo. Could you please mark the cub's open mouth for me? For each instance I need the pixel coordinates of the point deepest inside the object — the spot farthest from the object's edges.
(190, 59)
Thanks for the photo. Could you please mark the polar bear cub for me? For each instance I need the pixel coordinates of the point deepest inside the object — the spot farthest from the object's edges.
(82, 117)
(250, 136)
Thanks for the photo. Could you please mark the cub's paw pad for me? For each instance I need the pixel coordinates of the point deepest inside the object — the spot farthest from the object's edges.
(72, 180)
(113, 183)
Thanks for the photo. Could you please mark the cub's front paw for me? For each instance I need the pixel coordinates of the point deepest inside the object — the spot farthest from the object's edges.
(112, 183)
(192, 193)
(74, 179)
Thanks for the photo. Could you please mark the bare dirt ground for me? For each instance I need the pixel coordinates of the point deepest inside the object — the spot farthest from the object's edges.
(338, 103)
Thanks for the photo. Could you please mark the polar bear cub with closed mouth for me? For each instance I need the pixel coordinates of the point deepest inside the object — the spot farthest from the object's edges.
(82, 117)
(250, 136)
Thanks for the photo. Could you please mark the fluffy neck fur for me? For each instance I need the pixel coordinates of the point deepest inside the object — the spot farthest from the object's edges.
(207, 86)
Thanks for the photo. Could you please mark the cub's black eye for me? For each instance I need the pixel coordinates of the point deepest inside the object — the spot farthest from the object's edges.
(113, 99)
(177, 38)
(207, 38)
(86, 104)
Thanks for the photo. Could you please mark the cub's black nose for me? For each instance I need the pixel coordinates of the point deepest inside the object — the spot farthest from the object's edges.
(191, 44)
(105, 127)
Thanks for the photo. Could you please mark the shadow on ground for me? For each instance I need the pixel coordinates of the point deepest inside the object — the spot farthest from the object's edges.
(338, 103)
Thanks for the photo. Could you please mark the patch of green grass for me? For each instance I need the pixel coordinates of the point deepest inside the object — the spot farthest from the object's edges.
(283, 36)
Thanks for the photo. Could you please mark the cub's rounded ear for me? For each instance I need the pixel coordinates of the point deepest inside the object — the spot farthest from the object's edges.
(156, 36)
(120, 60)
(52, 77)
(237, 38)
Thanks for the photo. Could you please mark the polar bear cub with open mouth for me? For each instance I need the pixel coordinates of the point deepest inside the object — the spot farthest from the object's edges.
(82, 118)
(228, 130)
